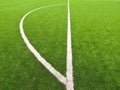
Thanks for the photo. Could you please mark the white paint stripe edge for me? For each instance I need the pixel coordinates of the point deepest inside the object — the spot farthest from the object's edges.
(69, 83)
(57, 74)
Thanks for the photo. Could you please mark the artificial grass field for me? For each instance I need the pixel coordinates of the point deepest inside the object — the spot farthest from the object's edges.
(95, 40)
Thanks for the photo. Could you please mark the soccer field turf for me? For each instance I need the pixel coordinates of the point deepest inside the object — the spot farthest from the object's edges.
(95, 27)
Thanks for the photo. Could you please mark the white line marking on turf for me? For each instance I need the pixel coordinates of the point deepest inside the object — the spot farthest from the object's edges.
(69, 82)
(57, 74)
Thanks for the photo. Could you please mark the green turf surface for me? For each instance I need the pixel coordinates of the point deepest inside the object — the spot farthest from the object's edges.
(19, 69)
(48, 34)
(95, 40)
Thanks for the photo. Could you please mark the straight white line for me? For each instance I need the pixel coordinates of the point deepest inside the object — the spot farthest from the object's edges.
(57, 74)
(69, 83)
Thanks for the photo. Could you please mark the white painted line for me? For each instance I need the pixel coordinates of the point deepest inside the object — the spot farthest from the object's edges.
(57, 74)
(69, 82)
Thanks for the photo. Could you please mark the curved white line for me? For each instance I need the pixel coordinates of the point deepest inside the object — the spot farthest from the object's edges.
(69, 82)
(57, 74)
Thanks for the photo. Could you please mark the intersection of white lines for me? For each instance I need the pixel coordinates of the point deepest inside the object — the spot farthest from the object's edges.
(68, 80)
